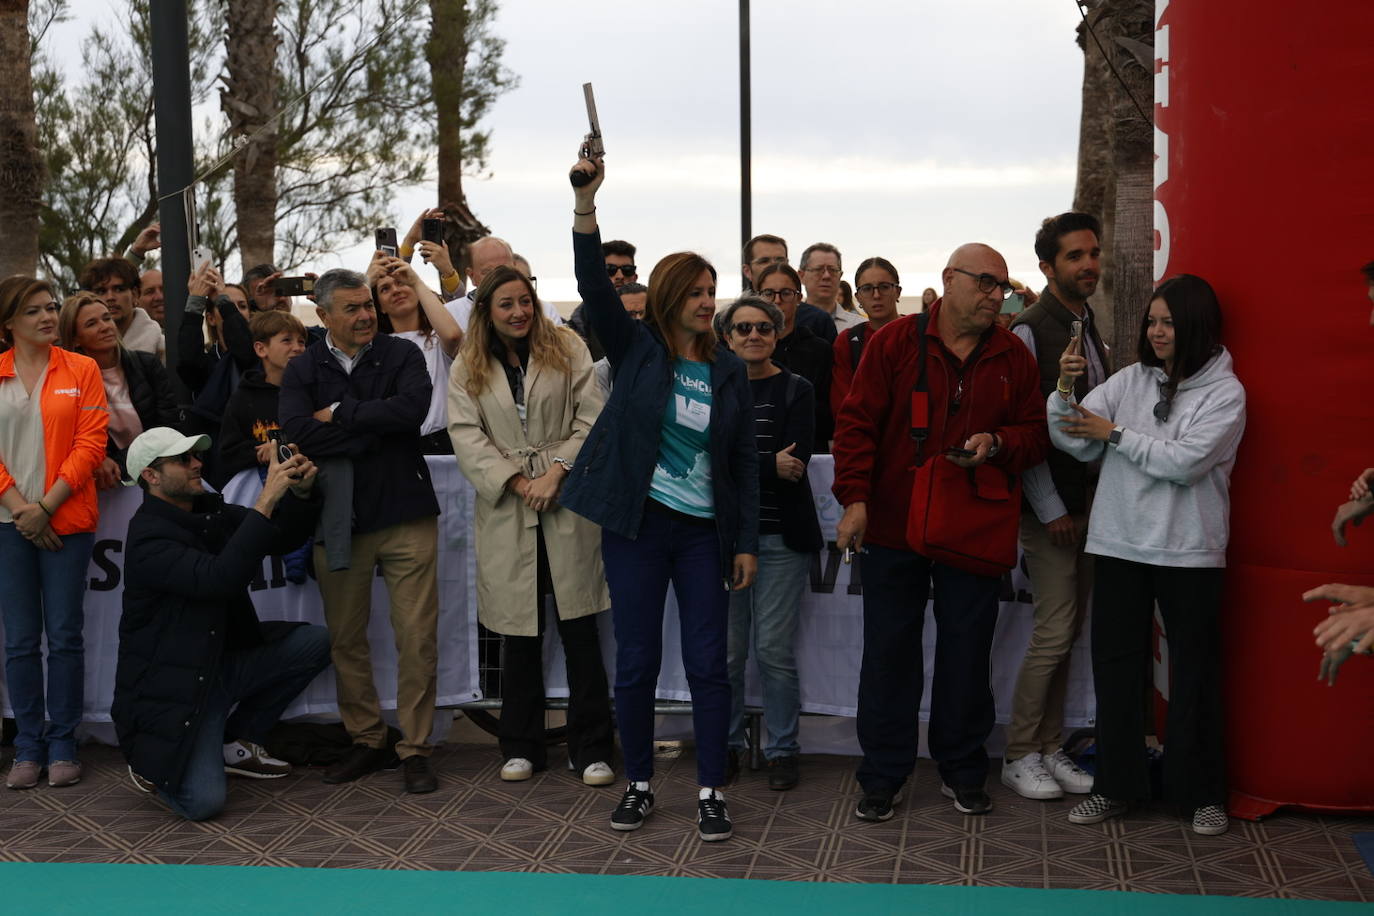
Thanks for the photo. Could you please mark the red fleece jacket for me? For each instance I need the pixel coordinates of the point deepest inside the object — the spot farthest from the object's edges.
(875, 456)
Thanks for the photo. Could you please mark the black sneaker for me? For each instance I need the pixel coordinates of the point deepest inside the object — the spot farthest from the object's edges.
(359, 761)
(635, 805)
(782, 773)
(877, 806)
(713, 821)
(968, 799)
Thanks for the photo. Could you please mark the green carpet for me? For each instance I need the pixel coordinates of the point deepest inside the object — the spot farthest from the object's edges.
(44, 888)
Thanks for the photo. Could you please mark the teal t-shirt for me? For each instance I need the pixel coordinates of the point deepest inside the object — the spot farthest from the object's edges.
(682, 476)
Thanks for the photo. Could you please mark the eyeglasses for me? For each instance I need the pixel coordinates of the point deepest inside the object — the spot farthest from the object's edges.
(184, 459)
(534, 281)
(829, 269)
(987, 282)
(785, 295)
(1164, 404)
(745, 328)
(869, 288)
(613, 269)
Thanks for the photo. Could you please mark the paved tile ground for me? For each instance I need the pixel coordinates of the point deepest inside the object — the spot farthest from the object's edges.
(553, 823)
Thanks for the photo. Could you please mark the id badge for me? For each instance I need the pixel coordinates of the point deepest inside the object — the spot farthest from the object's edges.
(692, 414)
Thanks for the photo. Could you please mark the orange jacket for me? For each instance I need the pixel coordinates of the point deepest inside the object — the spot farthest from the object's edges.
(75, 417)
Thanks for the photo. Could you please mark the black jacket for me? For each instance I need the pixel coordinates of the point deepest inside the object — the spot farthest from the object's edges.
(150, 390)
(811, 357)
(186, 577)
(792, 420)
(250, 415)
(382, 405)
(195, 362)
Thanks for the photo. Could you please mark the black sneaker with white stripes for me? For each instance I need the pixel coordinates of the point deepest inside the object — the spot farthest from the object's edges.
(635, 805)
(713, 821)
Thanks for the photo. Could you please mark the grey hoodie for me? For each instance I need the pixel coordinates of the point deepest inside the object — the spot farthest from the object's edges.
(1163, 497)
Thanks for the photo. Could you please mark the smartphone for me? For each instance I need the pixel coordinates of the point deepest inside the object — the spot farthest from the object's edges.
(386, 240)
(432, 230)
(293, 286)
(1014, 304)
(200, 256)
(284, 452)
(961, 452)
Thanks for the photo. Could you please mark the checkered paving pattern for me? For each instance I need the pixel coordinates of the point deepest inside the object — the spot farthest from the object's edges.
(553, 823)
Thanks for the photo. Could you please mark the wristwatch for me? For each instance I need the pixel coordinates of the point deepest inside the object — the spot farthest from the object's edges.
(1115, 437)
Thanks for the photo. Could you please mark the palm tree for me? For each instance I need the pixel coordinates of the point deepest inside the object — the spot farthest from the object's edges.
(21, 166)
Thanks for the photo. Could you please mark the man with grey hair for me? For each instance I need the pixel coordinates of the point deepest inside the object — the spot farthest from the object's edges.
(820, 272)
(485, 255)
(354, 401)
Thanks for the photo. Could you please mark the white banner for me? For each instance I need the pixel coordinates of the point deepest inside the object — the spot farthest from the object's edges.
(829, 645)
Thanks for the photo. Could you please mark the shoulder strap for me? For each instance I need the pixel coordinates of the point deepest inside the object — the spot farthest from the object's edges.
(856, 345)
(920, 392)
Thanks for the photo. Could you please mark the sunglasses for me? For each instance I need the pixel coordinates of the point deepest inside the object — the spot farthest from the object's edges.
(184, 459)
(626, 269)
(1164, 404)
(745, 328)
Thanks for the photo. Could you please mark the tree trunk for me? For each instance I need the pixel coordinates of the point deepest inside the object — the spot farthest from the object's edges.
(1095, 188)
(249, 99)
(447, 53)
(21, 166)
(1132, 242)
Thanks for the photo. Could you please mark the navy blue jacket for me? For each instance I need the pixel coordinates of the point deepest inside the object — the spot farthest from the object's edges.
(610, 482)
(377, 424)
(186, 578)
(816, 320)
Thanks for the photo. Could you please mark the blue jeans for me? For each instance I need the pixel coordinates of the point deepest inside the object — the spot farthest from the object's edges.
(768, 611)
(638, 572)
(42, 593)
(892, 676)
(263, 681)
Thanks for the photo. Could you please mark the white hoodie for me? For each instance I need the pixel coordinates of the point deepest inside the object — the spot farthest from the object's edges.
(1164, 494)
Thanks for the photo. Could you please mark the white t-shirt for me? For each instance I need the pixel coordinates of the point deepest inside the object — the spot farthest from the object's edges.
(438, 363)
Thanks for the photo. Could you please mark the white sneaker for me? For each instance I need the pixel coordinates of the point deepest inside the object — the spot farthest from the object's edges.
(517, 769)
(1071, 777)
(1027, 777)
(598, 774)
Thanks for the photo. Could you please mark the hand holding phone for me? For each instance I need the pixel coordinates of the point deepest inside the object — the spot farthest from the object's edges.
(293, 286)
(283, 450)
(386, 241)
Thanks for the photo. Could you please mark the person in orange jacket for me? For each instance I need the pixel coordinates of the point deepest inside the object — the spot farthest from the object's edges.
(53, 419)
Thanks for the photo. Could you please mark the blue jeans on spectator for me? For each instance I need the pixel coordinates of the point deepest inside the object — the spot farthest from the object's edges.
(41, 591)
(638, 571)
(896, 584)
(766, 614)
(263, 681)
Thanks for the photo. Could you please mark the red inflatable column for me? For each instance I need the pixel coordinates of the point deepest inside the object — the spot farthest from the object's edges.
(1264, 185)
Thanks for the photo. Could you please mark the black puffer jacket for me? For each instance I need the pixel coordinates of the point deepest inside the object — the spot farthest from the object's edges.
(186, 602)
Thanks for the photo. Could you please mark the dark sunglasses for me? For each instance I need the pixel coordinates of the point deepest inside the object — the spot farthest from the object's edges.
(745, 328)
(1164, 404)
(184, 459)
(613, 269)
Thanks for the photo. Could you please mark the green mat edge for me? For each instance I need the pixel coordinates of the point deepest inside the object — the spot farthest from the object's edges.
(105, 888)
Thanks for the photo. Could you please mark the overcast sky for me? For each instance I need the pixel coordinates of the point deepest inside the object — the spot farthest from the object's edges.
(899, 129)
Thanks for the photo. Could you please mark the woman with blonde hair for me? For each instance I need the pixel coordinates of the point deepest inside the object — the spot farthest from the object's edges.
(522, 397)
(52, 437)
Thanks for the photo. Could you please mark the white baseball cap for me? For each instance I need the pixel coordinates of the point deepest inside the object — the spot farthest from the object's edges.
(160, 442)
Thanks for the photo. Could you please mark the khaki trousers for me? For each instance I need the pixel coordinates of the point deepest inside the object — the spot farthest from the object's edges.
(1062, 579)
(407, 554)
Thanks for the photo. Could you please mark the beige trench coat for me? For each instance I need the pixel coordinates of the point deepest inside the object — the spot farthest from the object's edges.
(491, 448)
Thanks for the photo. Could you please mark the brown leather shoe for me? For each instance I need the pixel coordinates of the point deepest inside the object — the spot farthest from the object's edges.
(359, 761)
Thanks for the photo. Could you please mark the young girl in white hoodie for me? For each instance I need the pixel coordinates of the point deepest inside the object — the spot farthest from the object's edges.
(1166, 430)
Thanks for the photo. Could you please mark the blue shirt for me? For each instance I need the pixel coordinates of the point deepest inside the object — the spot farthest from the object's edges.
(682, 475)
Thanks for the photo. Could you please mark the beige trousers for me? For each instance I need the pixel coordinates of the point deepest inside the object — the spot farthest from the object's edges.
(407, 554)
(1061, 579)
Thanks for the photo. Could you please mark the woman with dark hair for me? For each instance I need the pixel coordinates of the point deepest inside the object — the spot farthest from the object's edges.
(408, 309)
(670, 473)
(137, 389)
(879, 289)
(1166, 429)
(52, 437)
(766, 613)
(521, 400)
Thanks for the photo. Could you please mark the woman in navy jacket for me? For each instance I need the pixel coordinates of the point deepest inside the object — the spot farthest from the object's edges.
(670, 472)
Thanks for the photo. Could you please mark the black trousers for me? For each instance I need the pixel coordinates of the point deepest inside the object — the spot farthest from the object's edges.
(892, 678)
(590, 733)
(1189, 600)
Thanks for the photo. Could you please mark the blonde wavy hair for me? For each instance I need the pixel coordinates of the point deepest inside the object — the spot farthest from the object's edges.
(550, 345)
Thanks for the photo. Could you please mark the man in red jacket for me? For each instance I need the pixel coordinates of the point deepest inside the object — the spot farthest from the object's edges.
(983, 396)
